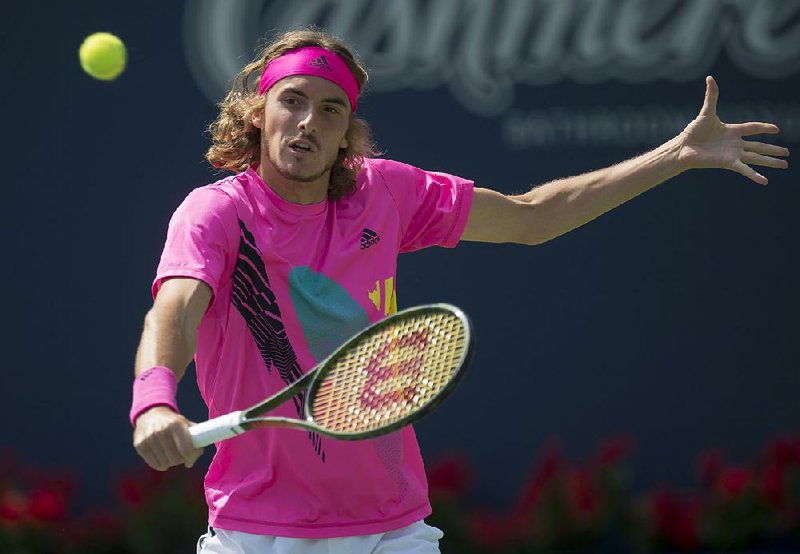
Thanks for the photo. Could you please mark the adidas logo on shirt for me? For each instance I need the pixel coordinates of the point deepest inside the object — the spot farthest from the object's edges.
(320, 63)
(369, 238)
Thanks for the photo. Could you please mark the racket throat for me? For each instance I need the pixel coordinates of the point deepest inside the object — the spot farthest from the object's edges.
(264, 422)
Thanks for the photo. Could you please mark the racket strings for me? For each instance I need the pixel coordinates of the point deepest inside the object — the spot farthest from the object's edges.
(391, 373)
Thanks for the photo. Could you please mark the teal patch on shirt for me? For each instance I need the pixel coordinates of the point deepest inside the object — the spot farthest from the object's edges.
(327, 313)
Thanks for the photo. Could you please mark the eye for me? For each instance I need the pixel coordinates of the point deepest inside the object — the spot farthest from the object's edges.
(332, 109)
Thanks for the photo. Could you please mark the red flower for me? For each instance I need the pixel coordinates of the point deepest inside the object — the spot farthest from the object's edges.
(733, 481)
(612, 451)
(493, 531)
(783, 452)
(771, 485)
(131, 491)
(450, 476)
(9, 513)
(582, 493)
(12, 506)
(675, 519)
(543, 474)
(48, 504)
(136, 488)
(710, 465)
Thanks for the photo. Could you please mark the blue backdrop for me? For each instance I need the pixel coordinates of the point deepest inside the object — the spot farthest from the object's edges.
(673, 318)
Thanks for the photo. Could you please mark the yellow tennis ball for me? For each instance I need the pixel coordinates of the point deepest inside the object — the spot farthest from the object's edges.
(103, 56)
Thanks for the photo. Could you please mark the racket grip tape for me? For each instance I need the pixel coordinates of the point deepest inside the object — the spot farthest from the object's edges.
(217, 429)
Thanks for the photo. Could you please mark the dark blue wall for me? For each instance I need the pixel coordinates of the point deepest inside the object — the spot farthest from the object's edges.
(673, 318)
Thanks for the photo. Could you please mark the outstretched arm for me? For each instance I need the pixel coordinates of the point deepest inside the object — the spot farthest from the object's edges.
(555, 208)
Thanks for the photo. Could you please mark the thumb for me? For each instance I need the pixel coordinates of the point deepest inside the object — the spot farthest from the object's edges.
(191, 453)
(710, 101)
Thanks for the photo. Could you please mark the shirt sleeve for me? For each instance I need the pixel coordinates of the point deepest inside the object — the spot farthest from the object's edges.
(201, 239)
(433, 206)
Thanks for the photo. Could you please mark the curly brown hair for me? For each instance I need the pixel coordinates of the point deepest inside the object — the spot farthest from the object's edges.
(236, 141)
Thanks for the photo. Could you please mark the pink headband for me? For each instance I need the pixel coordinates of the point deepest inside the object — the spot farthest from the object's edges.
(311, 60)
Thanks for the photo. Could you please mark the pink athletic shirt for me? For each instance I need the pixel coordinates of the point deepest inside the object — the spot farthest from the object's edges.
(291, 282)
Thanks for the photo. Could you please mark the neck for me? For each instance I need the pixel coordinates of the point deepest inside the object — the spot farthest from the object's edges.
(298, 192)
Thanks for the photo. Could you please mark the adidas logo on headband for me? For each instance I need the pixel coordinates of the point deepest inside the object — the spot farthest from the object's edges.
(314, 61)
(320, 63)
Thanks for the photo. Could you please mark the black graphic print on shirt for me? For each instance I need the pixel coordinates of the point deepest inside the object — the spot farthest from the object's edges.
(257, 304)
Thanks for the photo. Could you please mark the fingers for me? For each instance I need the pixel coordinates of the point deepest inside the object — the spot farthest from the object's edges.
(750, 173)
(185, 448)
(709, 108)
(754, 128)
(765, 148)
(751, 158)
(762, 154)
(163, 441)
(154, 455)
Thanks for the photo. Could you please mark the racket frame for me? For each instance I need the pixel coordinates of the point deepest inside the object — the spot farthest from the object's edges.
(414, 415)
(235, 423)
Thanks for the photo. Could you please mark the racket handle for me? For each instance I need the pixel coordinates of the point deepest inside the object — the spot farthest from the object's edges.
(217, 429)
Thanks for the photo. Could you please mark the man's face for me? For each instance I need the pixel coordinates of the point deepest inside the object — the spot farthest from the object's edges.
(303, 126)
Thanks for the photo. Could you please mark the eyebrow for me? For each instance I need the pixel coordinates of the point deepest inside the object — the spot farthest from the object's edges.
(330, 100)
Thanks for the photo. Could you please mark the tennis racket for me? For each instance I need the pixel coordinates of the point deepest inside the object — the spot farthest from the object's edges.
(387, 376)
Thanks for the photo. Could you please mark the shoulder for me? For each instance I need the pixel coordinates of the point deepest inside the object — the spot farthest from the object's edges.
(384, 169)
(379, 175)
(208, 199)
(220, 195)
(213, 204)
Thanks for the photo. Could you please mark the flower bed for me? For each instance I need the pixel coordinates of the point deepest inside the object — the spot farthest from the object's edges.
(561, 505)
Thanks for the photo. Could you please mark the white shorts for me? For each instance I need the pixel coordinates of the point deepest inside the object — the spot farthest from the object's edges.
(417, 538)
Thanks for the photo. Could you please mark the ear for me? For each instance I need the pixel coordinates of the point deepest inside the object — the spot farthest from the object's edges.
(344, 144)
(257, 118)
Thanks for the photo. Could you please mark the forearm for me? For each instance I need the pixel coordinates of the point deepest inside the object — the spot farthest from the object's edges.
(560, 206)
(161, 435)
(166, 341)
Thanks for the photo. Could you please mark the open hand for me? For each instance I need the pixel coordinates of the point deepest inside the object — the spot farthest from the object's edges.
(708, 142)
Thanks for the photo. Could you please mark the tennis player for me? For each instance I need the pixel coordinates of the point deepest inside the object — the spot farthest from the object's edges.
(266, 271)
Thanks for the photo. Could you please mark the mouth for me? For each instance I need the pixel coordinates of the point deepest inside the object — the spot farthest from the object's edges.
(301, 146)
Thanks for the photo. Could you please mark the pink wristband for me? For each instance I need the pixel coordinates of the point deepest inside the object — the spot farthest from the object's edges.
(154, 387)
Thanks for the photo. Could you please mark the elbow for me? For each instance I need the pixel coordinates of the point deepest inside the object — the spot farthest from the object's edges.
(530, 230)
(151, 321)
(165, 327)
(535, 241)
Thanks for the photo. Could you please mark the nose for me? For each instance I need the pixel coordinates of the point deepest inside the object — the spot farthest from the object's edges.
(308, 123)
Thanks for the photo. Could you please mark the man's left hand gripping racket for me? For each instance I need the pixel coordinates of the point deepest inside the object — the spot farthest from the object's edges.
(387, 376)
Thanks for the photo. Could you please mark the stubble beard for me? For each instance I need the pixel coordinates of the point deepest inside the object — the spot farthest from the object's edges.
(296, 176)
